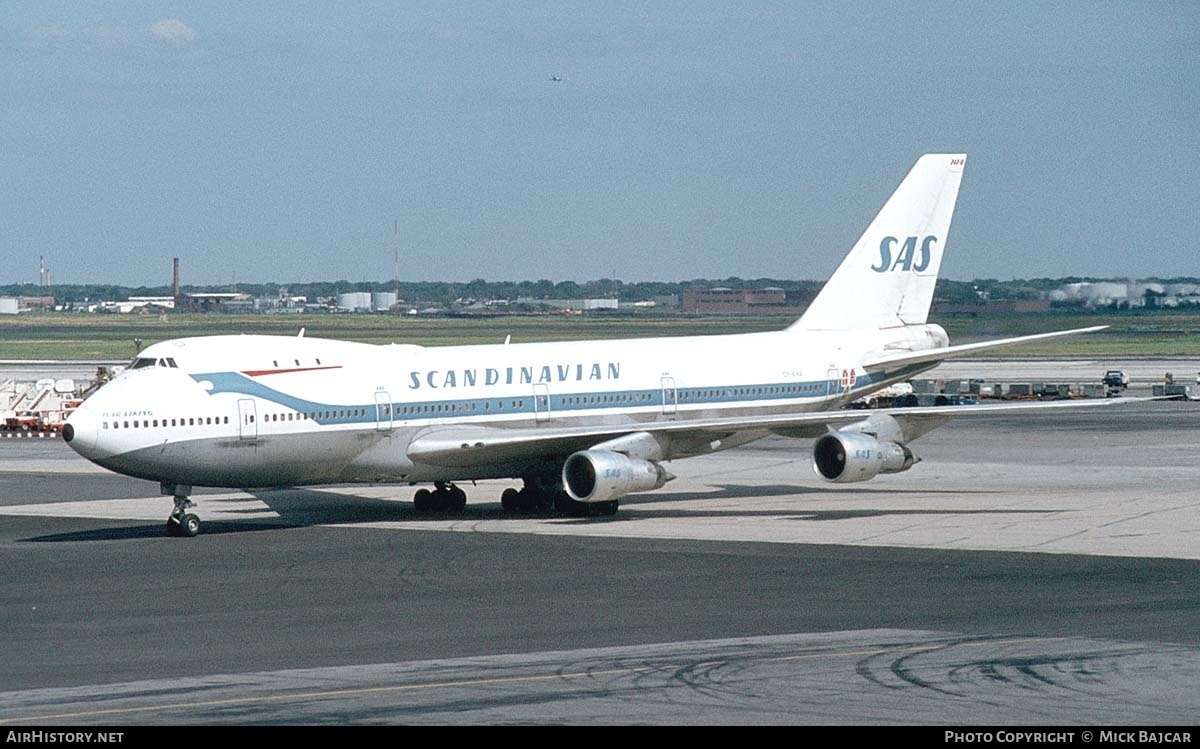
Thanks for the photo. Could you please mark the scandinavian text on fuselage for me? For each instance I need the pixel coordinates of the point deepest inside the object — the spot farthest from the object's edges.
(486, 376)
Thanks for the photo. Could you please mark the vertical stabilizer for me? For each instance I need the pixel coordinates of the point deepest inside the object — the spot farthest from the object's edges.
(887, 280)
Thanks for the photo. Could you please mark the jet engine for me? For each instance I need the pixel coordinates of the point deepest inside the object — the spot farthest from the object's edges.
(604, 475)
(846, 456)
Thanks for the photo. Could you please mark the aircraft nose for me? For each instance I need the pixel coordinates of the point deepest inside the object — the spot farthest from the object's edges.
(80, 431)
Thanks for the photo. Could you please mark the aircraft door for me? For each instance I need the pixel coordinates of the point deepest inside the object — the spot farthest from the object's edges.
(541, 402)
(670, 397)
(383, 411)
(247, 419)
(833, 382)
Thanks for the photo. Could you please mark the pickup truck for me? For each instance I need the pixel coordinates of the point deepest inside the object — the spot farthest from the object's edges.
(1115, 381)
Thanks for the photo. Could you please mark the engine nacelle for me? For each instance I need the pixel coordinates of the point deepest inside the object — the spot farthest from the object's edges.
(603, 475)
(844, 457)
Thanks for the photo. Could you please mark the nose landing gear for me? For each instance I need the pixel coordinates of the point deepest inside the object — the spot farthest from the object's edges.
(180, 522)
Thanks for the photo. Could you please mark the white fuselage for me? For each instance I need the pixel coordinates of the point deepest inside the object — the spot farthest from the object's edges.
(263, 411)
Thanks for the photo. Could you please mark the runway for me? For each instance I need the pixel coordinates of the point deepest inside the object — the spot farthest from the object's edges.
(872, 677)
(1031, 570)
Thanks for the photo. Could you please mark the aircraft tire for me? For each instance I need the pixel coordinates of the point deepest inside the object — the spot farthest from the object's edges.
(542, 502)
(189, 526)
(568, 506)
(607, 508)
(423, 500)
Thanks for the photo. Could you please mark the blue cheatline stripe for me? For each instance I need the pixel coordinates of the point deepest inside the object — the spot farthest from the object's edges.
(456, 408)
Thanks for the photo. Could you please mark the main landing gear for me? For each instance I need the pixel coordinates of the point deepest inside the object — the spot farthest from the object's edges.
(180, 522)
(445, 497)
(543, 493)
(539, 494)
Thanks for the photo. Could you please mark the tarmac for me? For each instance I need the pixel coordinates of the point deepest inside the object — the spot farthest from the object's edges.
(1039, 569)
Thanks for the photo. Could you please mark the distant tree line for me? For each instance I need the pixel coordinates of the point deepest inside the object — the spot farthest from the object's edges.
(447, 292)
(444, 292)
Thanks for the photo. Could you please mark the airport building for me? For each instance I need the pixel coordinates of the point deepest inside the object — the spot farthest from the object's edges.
(582, 305)
(723, 301)
(212, 302)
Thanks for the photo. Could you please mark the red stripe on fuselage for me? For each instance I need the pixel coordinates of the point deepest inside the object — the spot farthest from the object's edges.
(258, 372)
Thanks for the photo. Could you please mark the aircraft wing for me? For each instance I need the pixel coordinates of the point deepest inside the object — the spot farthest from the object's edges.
(467, 445)
(903, 358)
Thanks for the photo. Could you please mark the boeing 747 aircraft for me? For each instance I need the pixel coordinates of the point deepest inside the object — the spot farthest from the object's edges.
(582, 424)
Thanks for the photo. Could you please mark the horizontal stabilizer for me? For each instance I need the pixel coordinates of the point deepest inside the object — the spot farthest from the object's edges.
(899, 359)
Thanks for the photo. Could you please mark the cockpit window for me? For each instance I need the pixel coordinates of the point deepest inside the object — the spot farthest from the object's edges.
(142, 362)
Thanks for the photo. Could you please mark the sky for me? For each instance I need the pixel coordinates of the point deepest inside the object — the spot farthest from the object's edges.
(305, 141)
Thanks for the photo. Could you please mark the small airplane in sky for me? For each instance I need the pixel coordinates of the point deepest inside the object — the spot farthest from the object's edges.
(581, 424)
